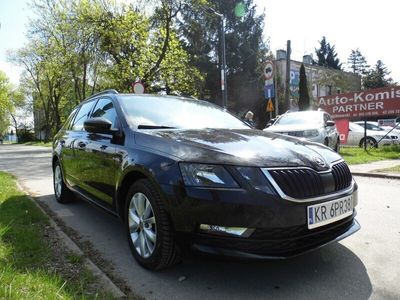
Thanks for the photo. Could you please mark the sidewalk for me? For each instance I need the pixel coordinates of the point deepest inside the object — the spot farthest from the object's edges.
(371, 169)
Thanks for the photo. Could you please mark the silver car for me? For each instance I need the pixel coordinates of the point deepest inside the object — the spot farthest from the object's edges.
(314, 126)
(374, 138)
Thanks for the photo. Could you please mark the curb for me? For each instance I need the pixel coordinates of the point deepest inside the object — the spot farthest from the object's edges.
(71, 246)
(377, 175)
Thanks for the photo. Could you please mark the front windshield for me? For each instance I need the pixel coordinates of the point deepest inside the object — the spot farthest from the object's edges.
(300, 118)
(169, 112)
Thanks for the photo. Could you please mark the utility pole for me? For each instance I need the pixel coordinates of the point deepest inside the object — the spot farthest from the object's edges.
(224, 86)
(287, 77)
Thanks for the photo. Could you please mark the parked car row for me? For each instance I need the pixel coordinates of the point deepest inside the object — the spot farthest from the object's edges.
(318, 126)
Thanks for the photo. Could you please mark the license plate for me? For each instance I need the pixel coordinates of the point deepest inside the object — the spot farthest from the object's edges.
(329, 212)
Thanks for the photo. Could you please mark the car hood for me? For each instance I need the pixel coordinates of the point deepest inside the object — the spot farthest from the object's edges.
(237, 147)
(290, 128)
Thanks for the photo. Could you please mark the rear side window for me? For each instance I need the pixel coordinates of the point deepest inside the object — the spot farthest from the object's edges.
(67, 124)
(105, 109)
(81, 116)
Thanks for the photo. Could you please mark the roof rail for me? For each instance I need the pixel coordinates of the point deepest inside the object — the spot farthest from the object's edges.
(111, 91)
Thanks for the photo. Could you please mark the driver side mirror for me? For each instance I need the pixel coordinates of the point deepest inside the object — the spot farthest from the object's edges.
(330, 123)
(98, 125)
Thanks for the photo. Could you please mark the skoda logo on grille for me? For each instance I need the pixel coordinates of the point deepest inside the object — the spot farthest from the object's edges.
(319, 161)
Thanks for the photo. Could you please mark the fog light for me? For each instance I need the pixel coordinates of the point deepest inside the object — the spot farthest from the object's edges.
(236, 231)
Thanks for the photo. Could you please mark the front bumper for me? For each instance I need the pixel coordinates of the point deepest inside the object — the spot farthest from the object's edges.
(276, 244)
(279, 226)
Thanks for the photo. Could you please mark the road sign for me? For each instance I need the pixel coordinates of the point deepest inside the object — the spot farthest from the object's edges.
(269, 70)
(269, 81)
(138, 87)
(269, 91)
(270, 106)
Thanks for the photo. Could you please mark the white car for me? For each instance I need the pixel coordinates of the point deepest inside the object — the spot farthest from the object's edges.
(314, 126)
(374, 138)
(374, 126)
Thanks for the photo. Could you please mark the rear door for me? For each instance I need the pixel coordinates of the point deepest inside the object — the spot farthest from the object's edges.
(73, 145)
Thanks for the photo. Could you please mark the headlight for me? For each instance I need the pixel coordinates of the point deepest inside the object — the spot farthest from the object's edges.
(206, 176)
(310, 133)
(256, 178)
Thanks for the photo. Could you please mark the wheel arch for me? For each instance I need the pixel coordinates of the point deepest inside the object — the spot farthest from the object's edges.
(129, 178)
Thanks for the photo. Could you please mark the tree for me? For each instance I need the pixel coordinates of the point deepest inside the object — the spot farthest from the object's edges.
(357, 62)
(327, 56)
(304, 98)
(245, 50)
(11, 100)
(377, 77)
(78, 47)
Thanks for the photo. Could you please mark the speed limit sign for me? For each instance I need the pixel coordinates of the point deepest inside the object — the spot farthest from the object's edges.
(269, 70)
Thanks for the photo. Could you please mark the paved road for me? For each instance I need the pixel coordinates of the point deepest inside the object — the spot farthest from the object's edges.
(364, 266)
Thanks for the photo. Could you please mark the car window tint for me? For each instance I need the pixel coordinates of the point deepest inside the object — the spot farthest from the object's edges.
(105, 109)
(81, 116)
(67, 124)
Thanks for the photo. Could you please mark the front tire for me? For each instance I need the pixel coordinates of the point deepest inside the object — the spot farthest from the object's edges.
(149, 231)
(61, 192)
(371, 143)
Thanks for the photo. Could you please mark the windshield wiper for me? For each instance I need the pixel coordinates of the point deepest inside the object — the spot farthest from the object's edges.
(155, 127)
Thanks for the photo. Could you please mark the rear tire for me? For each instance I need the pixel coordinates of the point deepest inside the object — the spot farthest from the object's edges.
(148, 228)
(61, 192)
(337, 147)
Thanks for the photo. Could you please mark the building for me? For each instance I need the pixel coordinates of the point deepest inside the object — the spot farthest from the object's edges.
(321, 81)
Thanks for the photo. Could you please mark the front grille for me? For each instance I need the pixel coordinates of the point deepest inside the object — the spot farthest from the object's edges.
(342, 175)
(299, 183)
(307, 183)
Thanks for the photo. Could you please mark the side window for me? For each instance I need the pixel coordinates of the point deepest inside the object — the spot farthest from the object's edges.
(67, 124)
(81, 116)
(105, 109)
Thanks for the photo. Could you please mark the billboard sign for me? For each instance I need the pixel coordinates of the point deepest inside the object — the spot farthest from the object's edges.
(368, 103)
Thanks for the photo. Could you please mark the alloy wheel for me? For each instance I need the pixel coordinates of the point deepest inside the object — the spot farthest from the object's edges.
(58, 181)
(142, 225)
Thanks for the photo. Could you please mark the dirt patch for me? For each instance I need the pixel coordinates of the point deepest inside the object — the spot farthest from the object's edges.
(88, 250)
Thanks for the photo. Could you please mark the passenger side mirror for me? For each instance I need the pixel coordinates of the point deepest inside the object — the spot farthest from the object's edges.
(330, 123)
(98, 125)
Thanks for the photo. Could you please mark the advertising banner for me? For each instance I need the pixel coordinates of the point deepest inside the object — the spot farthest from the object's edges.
(368, 103)
(342, 126)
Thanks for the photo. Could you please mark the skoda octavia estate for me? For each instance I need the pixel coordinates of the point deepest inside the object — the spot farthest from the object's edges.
(184, 174)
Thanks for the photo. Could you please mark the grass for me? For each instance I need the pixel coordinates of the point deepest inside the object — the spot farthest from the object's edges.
(38, 143)
(26, 259)
(356, 155)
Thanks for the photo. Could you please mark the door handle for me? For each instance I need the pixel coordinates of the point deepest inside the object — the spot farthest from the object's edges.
(103, 147)
(81, 145)
(62, 142)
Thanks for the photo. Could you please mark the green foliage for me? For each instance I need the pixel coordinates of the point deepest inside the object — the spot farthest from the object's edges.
(357, 62)
(377, 77)
(304, 98)
(78, 47)
(245, 51)
(27, 266)
(327, 56)
(357, 155)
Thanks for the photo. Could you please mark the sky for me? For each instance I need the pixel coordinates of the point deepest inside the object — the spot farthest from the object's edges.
(347, 24)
